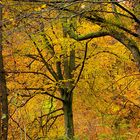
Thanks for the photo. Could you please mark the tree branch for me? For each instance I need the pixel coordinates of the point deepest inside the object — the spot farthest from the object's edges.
(46, 93)
(30, 72)
(92, 35)
(130, 13)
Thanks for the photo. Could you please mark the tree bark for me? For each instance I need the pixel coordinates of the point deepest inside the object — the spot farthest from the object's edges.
(3, 91)
(68, 119)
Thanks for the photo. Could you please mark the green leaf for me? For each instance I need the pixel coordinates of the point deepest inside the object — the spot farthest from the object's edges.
(3, 116)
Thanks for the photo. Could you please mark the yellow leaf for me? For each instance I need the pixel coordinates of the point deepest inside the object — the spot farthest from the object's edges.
(116, 108)
(37, 9)
(11, 19)
(43, 6)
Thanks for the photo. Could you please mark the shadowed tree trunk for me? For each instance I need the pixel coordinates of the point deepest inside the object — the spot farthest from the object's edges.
(3, 91)
(67, 92)
(68, 115)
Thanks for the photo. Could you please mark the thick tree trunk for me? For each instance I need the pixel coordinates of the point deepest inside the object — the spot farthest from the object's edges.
(68, 118)
(3, 91)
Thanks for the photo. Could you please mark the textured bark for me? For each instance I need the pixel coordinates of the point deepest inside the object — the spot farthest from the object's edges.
(68, 118)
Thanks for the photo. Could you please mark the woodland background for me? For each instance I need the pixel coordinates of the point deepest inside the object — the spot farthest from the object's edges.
(69, 69)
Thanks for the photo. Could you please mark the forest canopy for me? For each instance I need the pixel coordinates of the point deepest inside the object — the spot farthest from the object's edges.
(69, 69)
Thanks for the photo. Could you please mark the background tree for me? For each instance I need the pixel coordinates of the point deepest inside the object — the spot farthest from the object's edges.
(3, 87)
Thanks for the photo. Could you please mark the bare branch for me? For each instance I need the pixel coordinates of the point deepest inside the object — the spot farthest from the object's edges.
(32, 72)
(46, 93)
(54, 111)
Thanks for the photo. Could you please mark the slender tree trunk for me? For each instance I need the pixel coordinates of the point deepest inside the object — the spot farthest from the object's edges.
(68, 119)
(3, 91)
(0, 72)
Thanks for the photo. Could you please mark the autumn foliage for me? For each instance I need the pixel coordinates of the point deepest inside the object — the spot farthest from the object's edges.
(71, 69)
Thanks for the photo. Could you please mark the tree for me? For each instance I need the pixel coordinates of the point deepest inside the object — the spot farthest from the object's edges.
(62, 77)
(3, 89)
(56, 66)
(109, 28)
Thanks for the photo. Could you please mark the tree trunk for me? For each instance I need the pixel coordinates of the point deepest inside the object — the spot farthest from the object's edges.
(0, 73)
(68, 119)
(3, 91)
